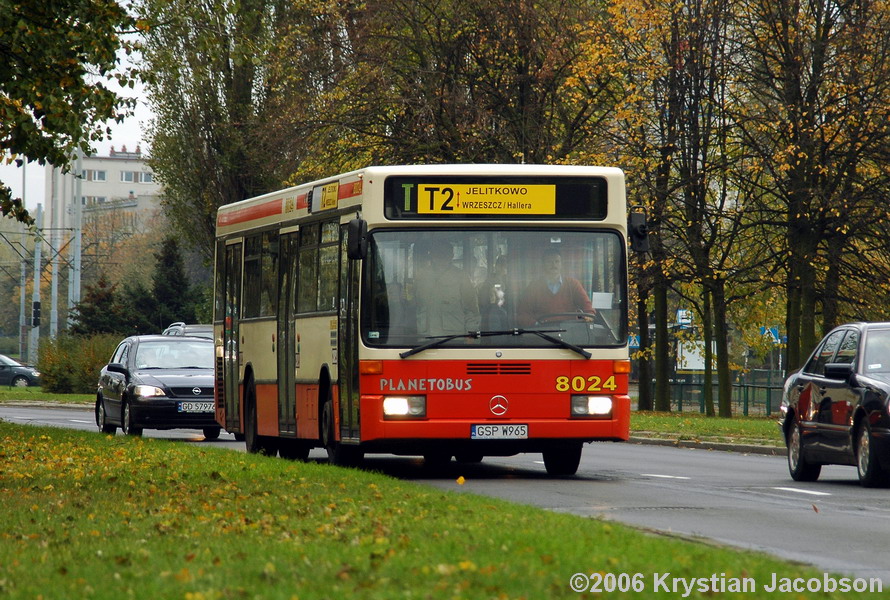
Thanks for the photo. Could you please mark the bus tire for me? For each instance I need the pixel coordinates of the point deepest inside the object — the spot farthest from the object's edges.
(468, 457)
(562, 461)
(338, 454)
(293, 449)
(255, 443)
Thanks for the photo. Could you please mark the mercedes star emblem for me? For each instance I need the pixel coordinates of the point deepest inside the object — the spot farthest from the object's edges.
(498, 406)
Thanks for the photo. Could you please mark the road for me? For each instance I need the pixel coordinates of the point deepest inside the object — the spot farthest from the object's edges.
(747, 501)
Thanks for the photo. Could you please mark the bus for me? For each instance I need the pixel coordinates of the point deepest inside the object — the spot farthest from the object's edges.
(416, 310)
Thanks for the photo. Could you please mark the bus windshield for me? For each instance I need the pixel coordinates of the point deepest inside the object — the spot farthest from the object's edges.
(509, 288)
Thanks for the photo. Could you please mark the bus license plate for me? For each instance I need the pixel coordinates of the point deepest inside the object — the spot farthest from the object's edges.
(196, 407)
(498, 432)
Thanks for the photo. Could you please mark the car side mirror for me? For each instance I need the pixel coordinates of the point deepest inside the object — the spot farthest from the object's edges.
(840, 371)
(117, 368)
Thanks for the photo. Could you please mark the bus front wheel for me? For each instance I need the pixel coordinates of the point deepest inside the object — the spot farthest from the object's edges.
(255, 443)
(338, 454)
(562, 461)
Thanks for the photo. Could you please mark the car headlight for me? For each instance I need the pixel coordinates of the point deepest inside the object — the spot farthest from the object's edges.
(591, 406)
(404, 406)
(148, 391)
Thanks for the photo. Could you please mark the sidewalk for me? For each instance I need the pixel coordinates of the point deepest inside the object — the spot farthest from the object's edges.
(725, 447)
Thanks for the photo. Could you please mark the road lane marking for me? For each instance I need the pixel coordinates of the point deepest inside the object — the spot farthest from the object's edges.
(799, 491)
(80, 421)
(664, 476)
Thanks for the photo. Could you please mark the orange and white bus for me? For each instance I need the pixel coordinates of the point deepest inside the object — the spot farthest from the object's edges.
(440, 311)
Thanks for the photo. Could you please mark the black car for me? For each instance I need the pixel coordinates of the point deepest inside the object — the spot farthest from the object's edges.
(834, 409)
(158, 382)
(15, 374)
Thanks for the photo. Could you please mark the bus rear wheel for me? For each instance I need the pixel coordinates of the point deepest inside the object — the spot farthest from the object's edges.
(562, 461)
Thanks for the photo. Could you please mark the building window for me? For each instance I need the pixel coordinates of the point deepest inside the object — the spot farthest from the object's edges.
(92, 200)
(94, 175)
(129, 176)
(146, 177)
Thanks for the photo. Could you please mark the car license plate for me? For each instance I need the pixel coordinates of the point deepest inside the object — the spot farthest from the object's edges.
(196, 407)
(498, 432)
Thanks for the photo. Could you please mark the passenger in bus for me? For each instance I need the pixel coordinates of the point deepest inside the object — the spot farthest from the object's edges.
(552, 293)
(493, 299)
(446, 299)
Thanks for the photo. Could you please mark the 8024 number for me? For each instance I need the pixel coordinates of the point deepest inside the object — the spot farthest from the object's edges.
(579, 383)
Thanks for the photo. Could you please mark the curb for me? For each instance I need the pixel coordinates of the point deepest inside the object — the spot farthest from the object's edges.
(741, 448)
(649, 441)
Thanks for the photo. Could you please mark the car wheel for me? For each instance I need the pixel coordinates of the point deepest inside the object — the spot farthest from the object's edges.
(563, 460)
(102, 419)
(19, 381)
(800, 468)
(127, 425)
(870, 472)
(338, 454)
(211, 433)
(255, 443)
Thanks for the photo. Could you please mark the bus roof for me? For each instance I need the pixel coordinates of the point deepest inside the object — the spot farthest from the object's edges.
(345, 190)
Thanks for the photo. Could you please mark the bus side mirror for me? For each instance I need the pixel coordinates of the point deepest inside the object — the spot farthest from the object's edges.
(637, 230)
(357, 239)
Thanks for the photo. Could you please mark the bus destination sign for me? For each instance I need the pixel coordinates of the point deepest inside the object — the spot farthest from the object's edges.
(495, 198)
(485, 199)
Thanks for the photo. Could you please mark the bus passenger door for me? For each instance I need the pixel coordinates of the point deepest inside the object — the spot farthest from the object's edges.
(347, 343)
(287, 422)
(230, 337)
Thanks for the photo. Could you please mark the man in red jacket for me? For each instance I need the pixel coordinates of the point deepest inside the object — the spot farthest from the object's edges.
(553, 293)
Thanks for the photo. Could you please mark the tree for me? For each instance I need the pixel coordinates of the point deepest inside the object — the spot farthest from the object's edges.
(812, 110)
(208, 89)
(98, 311)
(55, 58)
(170, 287)
(460, 81)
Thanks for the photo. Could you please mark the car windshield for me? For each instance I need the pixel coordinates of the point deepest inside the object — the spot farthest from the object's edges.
(877, 351)
(5, 360)
(181, 354)
(507, 285)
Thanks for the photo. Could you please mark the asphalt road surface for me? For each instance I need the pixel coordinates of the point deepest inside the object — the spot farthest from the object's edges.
(747, 501)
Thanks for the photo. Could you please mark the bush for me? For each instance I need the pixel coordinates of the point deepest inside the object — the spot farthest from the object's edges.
(71, 364)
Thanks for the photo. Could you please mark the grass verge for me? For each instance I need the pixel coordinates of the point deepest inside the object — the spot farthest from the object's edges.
(695, 426)
(36, 394)
(93, 516)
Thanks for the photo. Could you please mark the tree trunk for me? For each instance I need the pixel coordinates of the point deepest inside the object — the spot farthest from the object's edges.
(724, 380)
(644, 401)
(708, 336)
(662, 350)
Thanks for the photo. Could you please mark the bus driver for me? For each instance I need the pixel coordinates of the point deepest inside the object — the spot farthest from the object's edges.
(553, 293)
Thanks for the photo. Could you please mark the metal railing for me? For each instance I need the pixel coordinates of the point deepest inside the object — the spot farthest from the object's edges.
(757, 392)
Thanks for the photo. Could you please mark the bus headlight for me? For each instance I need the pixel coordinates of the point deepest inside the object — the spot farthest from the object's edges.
(591, 406)
(404, 406)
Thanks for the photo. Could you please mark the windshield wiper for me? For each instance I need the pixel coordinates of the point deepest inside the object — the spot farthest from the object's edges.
(437, 340)
(541, 333)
